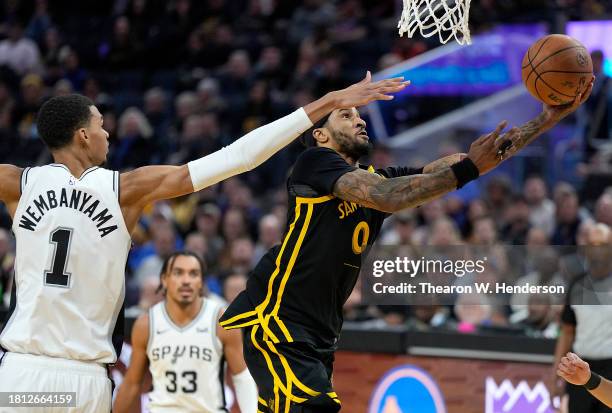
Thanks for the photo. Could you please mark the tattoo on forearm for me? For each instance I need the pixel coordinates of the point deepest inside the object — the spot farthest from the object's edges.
(393, 194)
(529, 132)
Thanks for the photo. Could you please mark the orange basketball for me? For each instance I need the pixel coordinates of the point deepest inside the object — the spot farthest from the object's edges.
(556, 68)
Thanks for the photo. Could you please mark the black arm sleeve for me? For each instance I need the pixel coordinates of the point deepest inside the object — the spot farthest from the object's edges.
(397, 171)
(319, 168)
(568, 316)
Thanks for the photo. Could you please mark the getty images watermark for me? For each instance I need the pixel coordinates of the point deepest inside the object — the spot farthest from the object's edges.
(515, 275)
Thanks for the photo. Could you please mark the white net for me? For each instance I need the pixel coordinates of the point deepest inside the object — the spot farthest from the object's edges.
(446, 18)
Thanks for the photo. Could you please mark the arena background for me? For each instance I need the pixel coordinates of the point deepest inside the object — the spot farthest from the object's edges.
(176, 80)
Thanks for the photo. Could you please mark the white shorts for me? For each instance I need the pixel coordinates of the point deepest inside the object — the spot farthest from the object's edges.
(30, 373)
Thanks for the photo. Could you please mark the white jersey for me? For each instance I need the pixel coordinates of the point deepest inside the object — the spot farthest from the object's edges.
(187, 363)
(72, 247)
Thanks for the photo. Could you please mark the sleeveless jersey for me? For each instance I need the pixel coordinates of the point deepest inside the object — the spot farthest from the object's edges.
(186, 363)
(72, 247)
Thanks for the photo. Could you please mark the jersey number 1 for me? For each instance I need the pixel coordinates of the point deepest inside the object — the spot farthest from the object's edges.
(57, 275)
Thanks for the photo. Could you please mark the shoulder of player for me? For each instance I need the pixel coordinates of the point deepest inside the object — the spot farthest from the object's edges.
(10, 184)
(140, 331)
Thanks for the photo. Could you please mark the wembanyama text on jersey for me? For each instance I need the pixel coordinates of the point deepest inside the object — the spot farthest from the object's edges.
(297, 290)
(72, 246)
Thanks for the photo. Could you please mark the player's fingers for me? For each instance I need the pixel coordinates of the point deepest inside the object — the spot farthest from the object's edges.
(566, 369)
(388, 82)
(490, 138)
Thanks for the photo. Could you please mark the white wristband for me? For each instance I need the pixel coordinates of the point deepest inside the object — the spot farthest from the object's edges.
(246, 391)
(249, 151)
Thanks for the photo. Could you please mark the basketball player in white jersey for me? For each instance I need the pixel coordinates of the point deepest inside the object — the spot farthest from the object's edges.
(72, 221)
(184, 348)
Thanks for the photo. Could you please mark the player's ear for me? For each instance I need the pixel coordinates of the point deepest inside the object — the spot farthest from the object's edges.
(321, 135)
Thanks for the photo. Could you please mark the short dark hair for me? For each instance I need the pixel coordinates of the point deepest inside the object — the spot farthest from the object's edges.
(169, 262)
(60, 117)
(307, 139)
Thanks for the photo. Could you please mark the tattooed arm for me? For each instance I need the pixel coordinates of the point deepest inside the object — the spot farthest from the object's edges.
(394, 194)
(440, 164)
(550, 116)
(390, 195)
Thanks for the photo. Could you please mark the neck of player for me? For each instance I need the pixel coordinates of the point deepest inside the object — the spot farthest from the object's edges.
(76, 161)
(183, 314)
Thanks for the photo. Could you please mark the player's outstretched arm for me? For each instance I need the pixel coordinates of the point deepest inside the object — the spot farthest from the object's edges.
(151, 183)
(442, 163)
(129, 390)
(394, 194)
(246, 389)
(547, 119)
(10, 186)
(576, 371)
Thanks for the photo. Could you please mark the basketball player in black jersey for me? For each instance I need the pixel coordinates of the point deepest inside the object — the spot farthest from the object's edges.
(291, 309)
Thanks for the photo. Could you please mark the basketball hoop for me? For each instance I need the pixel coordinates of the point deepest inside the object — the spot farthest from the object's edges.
(447, 18)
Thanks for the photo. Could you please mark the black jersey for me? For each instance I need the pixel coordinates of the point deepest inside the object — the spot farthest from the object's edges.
(297, 290)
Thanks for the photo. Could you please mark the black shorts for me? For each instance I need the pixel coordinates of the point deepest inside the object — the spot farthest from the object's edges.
(291, 377)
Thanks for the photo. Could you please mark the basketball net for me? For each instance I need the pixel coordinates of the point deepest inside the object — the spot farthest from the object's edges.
(447, 18)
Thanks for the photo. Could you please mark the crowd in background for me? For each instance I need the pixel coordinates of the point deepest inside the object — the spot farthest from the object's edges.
(176, 80)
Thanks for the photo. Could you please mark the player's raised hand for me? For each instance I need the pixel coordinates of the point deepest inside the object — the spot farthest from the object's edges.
(556, 113)
(366, 91)
(574, 370)
(491, 149)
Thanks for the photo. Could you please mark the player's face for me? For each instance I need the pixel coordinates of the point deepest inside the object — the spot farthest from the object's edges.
(97, 137)
(183, 282)
(348, 130)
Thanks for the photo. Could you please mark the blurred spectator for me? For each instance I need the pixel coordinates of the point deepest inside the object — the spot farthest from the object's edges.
(498, 195)
(269, 235)
(241, 255)
(123, 50)
(208, 222)
(567, 217)
(517, 222)
(595, 114)
(233, 285)
(402, 229)
(135, 146)
(603, 209)
(18, 52)
(156, 112)
(197, 243)
(163, 244)
(149, 295)
(541, 209)
(540, 318)
(545, 272)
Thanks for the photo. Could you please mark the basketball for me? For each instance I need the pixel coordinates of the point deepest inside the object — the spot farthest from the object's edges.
(556, 68)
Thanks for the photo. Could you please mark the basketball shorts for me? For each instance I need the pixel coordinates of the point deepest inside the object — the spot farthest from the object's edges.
(31, 373)
(291, 377)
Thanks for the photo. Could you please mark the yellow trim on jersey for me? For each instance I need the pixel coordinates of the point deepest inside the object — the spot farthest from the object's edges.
(292, 260)
(337, 401)
(262, 401)
(283, 328)
(318, 200)
(263, 319)
(271, 368)
(237, 317)
(262, 306)
(289, 373)
(247, 324)
(332, 395)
